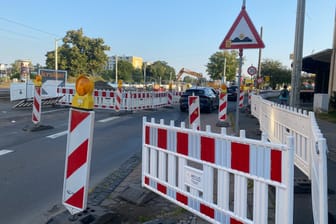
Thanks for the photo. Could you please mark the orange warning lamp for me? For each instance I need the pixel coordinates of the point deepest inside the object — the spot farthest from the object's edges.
(38, 80)
(83, 98)
(223, 88)
(120, 82)
(170, 86)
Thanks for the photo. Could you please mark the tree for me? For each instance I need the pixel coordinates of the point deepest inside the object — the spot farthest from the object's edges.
(279, 74)
(125, 71)
(79, 54)
(137, 75)
(215, 67)
(160, 70)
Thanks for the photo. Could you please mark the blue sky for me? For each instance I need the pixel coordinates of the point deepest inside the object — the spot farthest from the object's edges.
(184, 33)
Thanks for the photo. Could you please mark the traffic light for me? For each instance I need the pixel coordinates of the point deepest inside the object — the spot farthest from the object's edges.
(83, 98)
(38, 81)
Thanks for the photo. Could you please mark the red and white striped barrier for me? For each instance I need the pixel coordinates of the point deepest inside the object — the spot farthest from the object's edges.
(241, 98)
(194, 112)
(37, 105)
(170, 98)
(118, 98)
(222, 109)
(180, 165)
(106, 99)
(249, 97)
(77, 165)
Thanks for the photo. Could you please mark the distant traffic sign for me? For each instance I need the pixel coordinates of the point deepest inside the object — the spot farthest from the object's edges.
(242, 34)
(252, 70)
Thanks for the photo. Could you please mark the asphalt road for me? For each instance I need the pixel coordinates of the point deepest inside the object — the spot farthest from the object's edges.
(32, 163)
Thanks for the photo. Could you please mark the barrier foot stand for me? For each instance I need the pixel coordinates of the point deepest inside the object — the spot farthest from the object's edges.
(37, 127)
(222, 124)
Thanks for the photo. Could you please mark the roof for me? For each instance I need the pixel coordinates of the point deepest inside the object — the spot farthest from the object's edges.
(313, 62)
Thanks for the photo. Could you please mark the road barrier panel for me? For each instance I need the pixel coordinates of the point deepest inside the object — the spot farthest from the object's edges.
(79, 147)
(208, 173)
(280, 121)
(241, 98)
(106, 99)
(222, 109)
(194, 112)
(37, 106)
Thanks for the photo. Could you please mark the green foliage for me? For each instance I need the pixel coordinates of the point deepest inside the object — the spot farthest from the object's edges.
(125, 71)
(79, 54)
(215, 67)
(279, 75)
(137, 75)
(107, 75)
(160, 70)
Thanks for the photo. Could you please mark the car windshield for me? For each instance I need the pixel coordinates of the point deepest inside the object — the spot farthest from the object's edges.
(196, 92)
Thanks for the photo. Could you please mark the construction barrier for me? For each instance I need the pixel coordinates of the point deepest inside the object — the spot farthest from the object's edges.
(310, 147)
(106, 99)
(213, 175)
(37, 106)
(222, 109)
(194, 112)
(241, 98)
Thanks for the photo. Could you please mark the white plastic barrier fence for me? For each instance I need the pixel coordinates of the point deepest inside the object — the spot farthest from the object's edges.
(213, 174)
(310, 147)
(105, 99)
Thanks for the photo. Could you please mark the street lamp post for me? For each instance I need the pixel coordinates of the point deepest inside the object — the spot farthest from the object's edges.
(56, 61)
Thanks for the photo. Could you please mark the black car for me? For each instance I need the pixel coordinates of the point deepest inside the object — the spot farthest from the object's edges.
(209, 99)
(232, 93)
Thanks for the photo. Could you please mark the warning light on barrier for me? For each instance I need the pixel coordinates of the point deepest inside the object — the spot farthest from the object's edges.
(170, 86)
(223, 88)
(38, 80)
(83, 98)
(120, 84)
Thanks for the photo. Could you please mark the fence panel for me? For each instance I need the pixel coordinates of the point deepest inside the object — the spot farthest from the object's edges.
(208, 173)
(310, 148)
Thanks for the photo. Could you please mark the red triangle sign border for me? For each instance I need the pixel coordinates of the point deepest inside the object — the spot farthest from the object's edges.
(227, 42)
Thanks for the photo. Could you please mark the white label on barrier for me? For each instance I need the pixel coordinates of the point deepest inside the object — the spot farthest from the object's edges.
(194, 178)
(106, 101)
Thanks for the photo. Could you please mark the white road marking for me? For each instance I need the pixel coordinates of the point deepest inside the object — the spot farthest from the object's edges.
(5, 151)
(59, 134)
(108, 119)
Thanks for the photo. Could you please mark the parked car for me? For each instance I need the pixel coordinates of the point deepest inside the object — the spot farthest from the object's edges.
(209, 99)
(232, 93)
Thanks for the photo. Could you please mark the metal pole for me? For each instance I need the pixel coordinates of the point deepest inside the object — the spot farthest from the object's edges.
(259, 60)
(116, 69)
(56, 62)
(297, 63)
(238, 91)
(224, 71)
(145, 75)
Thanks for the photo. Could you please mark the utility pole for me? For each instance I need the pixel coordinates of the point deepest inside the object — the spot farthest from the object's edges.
(297, 62)
(259, 61)
(116, 69)
(224, 71)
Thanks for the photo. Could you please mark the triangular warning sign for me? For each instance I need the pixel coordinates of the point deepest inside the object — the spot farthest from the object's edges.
(242, 34)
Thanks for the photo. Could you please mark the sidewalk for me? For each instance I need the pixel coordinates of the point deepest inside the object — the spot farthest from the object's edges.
(121, 199)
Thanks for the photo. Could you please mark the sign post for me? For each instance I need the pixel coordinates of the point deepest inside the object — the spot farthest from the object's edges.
(79, 144)
(241, 35)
